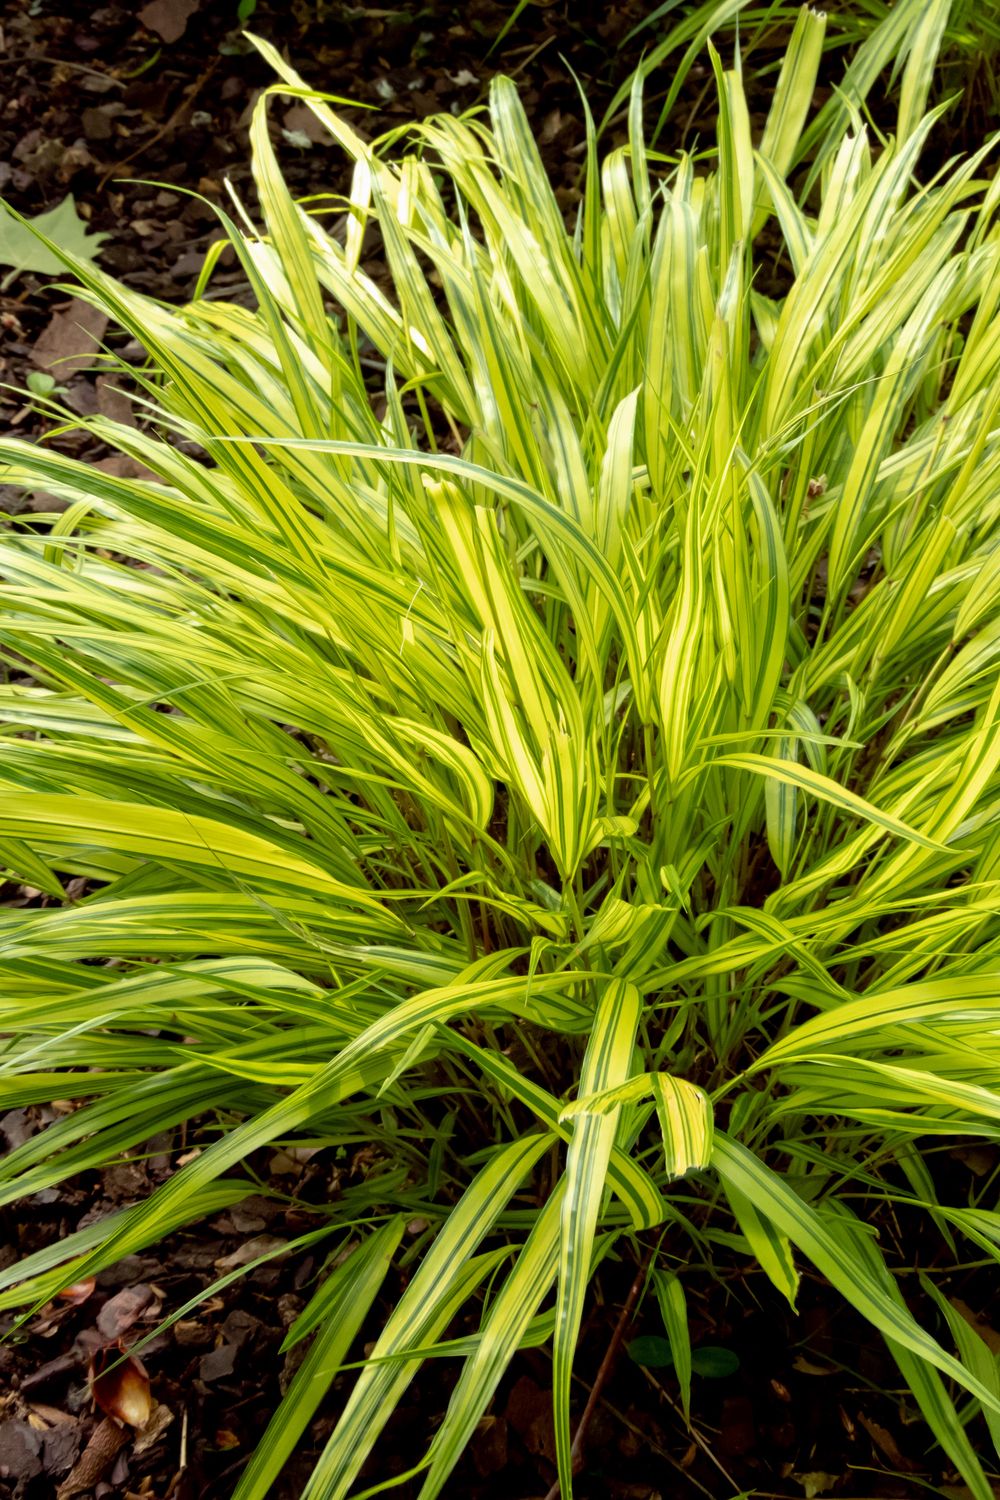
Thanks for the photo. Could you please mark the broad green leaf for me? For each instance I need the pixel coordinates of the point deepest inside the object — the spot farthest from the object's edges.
(22, 248)
(651, 1351)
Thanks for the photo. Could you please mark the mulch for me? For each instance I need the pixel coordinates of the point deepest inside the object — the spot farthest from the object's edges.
(146, 127)
(142, 115)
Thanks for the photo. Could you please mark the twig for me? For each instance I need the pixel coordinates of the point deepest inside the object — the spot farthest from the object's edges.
(695, 1434)
(73, 67)
(190, 94)
(601, 1379)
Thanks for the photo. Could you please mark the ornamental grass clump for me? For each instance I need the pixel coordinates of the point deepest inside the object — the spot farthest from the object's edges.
(540, 721)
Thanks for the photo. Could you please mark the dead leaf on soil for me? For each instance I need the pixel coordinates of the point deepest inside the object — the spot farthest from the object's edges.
(121, 1387)
(980, 1160)
(529, 1415)
(78, 1292)
(112, 401)
(816, 1483)
(250, 1250)
(17, 1126)
(884, 1440)
(808, 1367)
(124, 466)
(489, 1446)
(67, 343)
(168, 18)
(989, 1335)
(123, 1309)
(61, 1446)
(218, 1363)
(301, 120)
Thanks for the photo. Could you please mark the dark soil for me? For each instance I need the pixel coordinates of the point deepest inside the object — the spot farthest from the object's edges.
(100, 105)
(132, 125)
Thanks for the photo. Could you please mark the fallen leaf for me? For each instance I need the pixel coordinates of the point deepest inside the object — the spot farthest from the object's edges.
(124, 466)
(121, 1387)
(551, 126)
(884, 1440)
(489, 1446)
(528, 1414)
(96, 120)
(250, 1250)
(123, 1309)
(808, 1367)
(290, 1160)
(168, 18)
(218, 1363)
(22, 249)
(17, 1125)
(301, 120)
(816, 1483)
(979, 1159)
(989, 1335)
(112, 401)
(43, 1417)
(240, 1327)
(738, 1433)
(252, 1215)
(69, 339)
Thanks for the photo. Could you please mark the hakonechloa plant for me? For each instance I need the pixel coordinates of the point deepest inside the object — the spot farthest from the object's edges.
(544, 713)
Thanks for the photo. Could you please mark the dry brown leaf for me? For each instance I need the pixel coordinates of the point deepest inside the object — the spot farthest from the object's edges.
(121, 1387)
(78, 1292)
(69, 339)
(123, 1309)
(884, 1440)
(301, 118)
(168, 18)
(978, 1324)
(112, 402)
(43, 1417)
(250, 1250)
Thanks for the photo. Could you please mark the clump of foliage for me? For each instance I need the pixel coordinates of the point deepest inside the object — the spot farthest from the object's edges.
(570, 769)
(899, 46)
